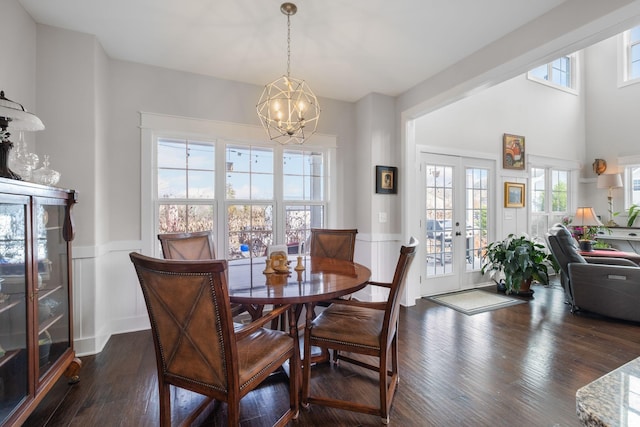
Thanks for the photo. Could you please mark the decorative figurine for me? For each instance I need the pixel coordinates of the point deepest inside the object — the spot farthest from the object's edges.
(268, 269)
(279, 262)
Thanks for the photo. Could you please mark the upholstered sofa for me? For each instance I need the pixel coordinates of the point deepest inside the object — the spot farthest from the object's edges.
(602, 285)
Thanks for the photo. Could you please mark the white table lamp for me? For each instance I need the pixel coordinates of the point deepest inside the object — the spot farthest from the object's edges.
(610, 181)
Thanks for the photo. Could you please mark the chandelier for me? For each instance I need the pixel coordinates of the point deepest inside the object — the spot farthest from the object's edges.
(288, 109)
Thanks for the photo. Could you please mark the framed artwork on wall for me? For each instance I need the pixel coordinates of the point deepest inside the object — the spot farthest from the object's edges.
(512, 151)
(386, 179)
(513, 195)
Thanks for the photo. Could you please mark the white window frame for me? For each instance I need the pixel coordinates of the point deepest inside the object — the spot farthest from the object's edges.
(628, 162)
(154, 126)
(549, 165)
(624, 58)
(574, 75)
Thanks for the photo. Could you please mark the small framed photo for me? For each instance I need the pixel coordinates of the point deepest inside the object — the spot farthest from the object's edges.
(512, 151)
(386, 179)
(513, 195)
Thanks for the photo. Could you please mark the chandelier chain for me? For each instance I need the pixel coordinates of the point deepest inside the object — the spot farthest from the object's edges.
(288, 108)
(288, 45)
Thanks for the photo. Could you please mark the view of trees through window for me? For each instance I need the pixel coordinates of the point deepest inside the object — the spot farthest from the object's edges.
(271, 195)
(547, 211)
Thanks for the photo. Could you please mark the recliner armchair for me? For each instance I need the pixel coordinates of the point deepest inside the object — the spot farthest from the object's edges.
(601, 285)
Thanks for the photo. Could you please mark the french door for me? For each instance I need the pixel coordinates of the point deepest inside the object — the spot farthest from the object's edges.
(456, 194)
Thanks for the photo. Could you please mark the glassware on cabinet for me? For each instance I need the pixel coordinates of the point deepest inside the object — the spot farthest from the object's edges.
(21, 160)
(46, 175)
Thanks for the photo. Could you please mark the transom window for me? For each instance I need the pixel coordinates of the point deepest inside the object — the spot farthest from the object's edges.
(560, 73)
(631, 54)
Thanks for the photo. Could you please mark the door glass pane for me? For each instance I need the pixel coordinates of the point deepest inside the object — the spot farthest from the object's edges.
(53, 285)
(13, 316)
(477, 194)
(439, 219)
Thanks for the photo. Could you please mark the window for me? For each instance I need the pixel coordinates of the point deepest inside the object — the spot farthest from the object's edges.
(631, 55)
(632, 185)
(546, 211)
(560, 73)
(249, 200)
(251, 195)
(303, 191)
(208, 175)
(185, 185)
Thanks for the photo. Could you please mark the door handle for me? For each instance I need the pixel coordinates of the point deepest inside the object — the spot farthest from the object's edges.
(458, 233)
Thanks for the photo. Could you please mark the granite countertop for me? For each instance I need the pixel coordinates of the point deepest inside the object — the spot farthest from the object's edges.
(612, 400)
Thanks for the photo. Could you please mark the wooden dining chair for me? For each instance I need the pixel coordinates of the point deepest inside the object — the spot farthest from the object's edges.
(196, 245)
(188, 246)
(365, 328)
(333, 243)
(197, 347)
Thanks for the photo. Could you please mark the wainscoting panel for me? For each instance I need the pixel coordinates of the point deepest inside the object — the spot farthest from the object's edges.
(107, 297)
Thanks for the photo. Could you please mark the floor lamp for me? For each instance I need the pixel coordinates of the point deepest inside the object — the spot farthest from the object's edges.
(610, 181)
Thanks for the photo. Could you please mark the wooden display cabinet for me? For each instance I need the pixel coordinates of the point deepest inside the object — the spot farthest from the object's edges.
(36, 335)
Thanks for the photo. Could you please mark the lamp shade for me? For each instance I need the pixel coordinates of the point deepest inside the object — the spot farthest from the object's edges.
(16, 117)
(611, 180)
(585, 217)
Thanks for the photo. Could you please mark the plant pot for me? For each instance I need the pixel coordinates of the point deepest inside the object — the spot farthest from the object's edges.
(525, 289)
(586, 245)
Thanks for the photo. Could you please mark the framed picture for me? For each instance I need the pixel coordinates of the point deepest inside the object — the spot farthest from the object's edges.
(512, 151)
(513, 195)
(386, 179)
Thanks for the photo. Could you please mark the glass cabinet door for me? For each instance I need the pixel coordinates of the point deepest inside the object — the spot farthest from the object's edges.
(50, 251)
(13, 308)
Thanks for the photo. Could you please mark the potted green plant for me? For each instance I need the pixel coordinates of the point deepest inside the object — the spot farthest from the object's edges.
(520, 259)
(632, 213)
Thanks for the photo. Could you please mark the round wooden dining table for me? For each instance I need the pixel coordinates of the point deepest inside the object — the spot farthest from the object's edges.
(321, 279)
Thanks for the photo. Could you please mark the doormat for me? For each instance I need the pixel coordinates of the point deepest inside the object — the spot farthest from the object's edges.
(475, 301)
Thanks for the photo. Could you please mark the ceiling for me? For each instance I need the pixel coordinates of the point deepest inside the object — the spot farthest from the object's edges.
(344, 49)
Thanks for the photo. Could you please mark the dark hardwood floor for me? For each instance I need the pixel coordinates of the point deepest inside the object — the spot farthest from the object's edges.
(517, 366)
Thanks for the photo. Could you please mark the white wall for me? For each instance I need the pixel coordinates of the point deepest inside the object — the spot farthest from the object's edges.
(378, 242)
(552, 122)
(18, 65)
(613, 127)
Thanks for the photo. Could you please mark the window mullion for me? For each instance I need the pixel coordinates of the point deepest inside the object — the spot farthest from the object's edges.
(278, 193)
